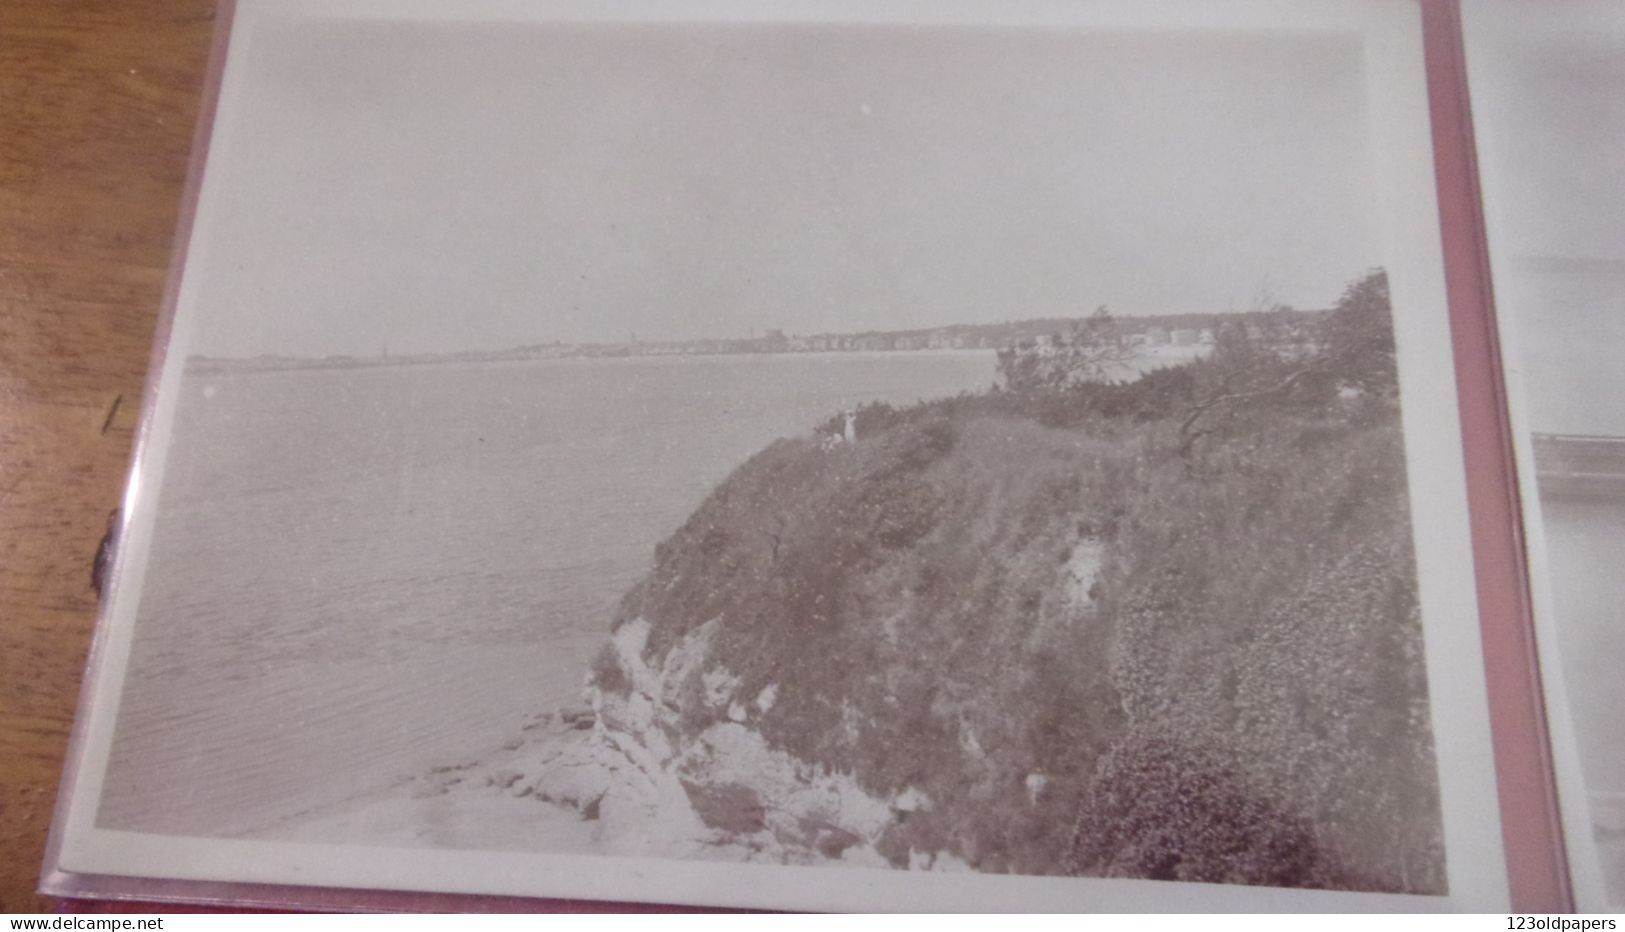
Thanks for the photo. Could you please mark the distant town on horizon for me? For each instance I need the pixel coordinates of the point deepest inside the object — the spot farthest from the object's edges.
(1186, 329)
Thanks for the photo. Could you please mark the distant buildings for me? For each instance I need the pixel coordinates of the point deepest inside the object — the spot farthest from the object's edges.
(1044, 335)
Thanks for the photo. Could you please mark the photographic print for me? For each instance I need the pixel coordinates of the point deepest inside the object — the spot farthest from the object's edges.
(1559, 269)
(756, 438)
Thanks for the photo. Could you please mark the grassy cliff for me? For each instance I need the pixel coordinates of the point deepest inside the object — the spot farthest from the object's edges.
(1162, 629)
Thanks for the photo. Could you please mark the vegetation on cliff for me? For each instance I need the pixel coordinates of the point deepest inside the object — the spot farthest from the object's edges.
(1165, 628)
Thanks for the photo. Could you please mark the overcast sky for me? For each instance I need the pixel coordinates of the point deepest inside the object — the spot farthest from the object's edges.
(445, 187)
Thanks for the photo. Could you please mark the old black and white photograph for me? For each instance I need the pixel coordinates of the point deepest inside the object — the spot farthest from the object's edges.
(907, 442)
(1556, 84)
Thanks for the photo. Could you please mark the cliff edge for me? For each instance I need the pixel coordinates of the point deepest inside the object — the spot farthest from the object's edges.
(1161, 629)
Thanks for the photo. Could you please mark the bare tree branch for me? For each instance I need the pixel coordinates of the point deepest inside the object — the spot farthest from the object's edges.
(1187, 439)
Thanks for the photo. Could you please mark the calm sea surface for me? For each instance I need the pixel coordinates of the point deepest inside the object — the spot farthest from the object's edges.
(361, 573)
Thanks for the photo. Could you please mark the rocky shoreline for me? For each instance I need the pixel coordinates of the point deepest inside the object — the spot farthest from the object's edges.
(1160, 629)
(609, 778)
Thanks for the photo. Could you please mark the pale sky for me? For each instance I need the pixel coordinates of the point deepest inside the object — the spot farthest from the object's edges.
(437, 187)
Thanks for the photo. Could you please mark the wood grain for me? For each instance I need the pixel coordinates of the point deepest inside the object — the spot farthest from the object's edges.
(97, 106)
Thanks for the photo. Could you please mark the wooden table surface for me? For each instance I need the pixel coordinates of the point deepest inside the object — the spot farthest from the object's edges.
(98, 102)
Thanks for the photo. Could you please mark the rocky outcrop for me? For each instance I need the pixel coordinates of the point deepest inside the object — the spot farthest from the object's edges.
(723, 791)
(980, 634)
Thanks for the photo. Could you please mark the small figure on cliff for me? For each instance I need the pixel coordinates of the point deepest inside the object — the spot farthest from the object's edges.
(849, 434)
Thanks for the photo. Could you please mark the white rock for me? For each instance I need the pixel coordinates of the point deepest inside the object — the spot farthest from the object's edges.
(576, 778)
(629, 640)
(1082, 569)
(1035, 785)
(794, 794)
(719, 686)
(684, 659)
(911, 800)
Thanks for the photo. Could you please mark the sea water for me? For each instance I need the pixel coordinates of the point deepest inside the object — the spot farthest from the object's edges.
(360, 573)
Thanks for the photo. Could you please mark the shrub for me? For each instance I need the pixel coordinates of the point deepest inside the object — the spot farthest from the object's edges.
(1238, 696)
(1165, 809)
